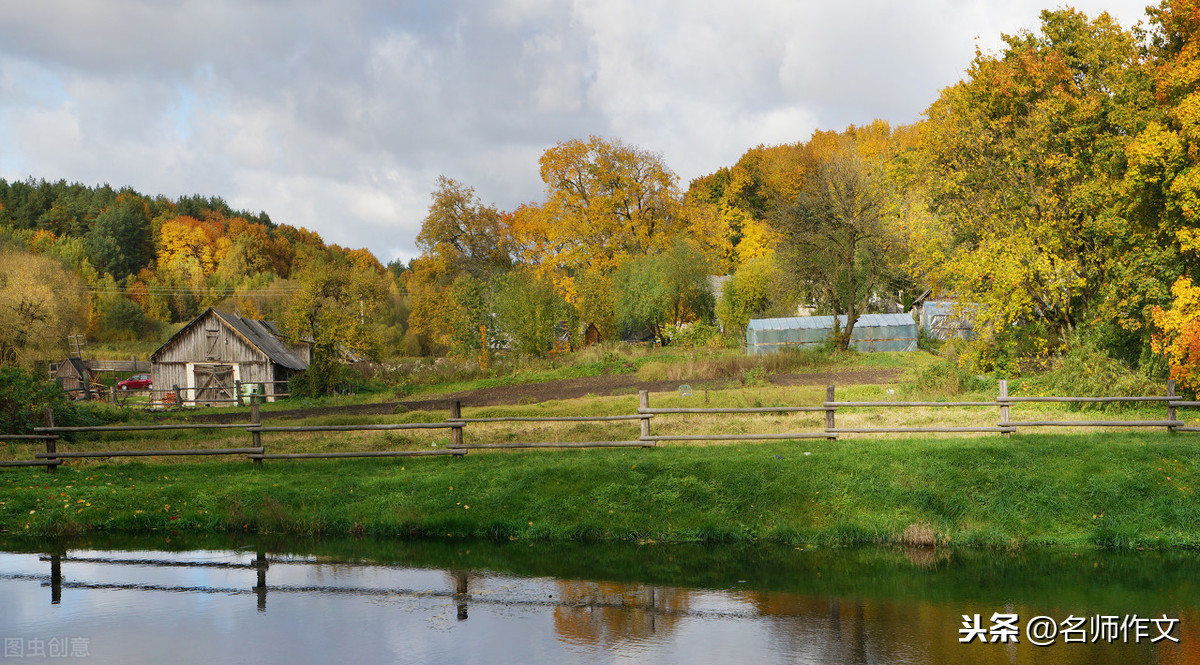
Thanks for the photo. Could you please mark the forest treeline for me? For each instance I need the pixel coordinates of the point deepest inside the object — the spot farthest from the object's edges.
(1054, 193)
(118, 265)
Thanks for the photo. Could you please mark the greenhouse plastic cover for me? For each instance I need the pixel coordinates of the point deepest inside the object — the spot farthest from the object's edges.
(872, 332)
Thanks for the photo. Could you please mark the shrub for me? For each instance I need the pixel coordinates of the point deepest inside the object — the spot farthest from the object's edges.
(1087, 371)
(326, 378)
(692, 335)
(24, 399)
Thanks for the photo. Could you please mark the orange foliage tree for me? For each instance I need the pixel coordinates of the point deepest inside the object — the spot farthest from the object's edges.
(1177, 334)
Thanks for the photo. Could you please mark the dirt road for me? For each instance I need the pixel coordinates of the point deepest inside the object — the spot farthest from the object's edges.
(532, 393)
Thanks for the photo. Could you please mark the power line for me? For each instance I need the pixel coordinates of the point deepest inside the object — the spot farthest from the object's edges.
(209, 291)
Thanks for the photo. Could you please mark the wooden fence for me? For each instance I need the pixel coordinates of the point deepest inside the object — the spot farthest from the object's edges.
(456, 423)
(177, 396)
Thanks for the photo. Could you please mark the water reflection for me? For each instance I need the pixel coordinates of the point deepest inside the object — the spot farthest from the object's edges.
(319, 601)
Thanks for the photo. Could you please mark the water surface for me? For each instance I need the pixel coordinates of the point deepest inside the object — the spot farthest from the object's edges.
(366, 601)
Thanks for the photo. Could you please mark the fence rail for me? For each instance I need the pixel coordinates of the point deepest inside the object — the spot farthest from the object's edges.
(456, 423)
(754, 409)
(1064, 400)
(151, 453)
(143, 428)
(1092, 423)
(908, 404)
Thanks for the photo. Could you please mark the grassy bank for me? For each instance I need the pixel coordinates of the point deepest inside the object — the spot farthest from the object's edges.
(1107, 490)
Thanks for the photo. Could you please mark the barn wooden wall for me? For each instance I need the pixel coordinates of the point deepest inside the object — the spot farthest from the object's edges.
(193, 347)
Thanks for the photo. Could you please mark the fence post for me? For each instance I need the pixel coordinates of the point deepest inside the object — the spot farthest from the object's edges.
(51, 443)
(644, 403)
(1170, 407)
(237, 389)
(178, 398)
(255, 437)
(112, 395)
(456, 432)
(830, 424)
(1004, 406)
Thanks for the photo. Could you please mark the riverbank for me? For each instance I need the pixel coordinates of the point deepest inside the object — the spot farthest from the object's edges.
(1115, 490)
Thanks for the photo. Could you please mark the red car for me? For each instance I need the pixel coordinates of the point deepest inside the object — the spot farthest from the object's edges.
(135, 382)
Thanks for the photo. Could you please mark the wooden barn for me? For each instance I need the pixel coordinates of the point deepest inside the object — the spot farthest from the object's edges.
(218, 350)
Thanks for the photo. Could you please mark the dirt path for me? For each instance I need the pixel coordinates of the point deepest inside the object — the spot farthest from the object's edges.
(532, 393)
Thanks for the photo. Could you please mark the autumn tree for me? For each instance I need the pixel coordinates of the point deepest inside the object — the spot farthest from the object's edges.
(1162, 188)
(461, 234)
(529, 310)
(470, 329)
(755, 290)
(660, 289)
(735, 202)
(1022, 167)
(605, 202)
(461, 243)
(332, 310)
(1177, 334)
(836, 241)
(40, 303)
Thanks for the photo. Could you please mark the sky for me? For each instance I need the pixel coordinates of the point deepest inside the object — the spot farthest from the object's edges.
(340, 117)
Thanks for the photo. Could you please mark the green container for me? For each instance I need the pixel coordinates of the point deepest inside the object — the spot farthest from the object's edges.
(253, 393)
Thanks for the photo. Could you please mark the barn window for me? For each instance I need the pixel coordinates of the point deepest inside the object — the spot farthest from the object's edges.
(211, 338)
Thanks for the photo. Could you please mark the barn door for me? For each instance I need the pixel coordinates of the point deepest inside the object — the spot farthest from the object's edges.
(214, 383)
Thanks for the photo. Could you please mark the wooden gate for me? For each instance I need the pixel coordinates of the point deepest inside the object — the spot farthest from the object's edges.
(214, 383)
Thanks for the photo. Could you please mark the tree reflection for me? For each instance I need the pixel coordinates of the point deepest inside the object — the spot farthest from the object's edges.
(608, 613)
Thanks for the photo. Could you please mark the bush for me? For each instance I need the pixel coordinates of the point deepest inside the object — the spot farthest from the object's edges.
(692, 335)
(24, 399)
(326, 378)
(1087, 371)
(754, 376)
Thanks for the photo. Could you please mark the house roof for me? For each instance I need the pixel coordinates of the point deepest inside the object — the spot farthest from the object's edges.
(262, 334)
(801, 322)
(80, 367)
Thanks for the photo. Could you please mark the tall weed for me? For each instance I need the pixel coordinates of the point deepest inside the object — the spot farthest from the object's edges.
(947, 379)
(1087, 371)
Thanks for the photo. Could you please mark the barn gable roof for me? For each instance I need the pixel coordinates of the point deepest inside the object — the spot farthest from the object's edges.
(263, 335)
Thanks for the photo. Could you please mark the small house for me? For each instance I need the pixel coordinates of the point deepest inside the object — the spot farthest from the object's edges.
(872, 332)
(217, 350)
(75, 377)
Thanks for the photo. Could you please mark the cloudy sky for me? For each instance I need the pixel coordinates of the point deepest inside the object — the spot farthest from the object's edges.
(340, 116)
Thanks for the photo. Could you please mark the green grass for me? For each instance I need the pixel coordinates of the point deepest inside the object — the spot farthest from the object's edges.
(666, 363)
(1111, 490)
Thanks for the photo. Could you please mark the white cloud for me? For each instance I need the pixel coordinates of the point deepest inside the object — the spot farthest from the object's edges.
(340, 117)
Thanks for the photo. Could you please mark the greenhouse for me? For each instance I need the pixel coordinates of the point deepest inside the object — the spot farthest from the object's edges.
(872, 332)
